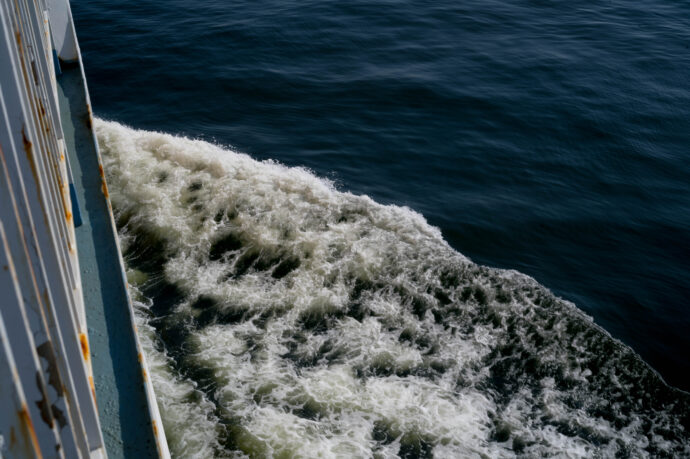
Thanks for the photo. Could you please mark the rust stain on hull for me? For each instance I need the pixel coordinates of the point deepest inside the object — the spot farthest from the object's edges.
(28, 427)
(28, 149)
(13, 437)
(93, 390)
(89, 117)
(84, 342)
(104, 186)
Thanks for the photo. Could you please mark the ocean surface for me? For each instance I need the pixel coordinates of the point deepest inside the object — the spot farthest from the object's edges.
(397, 228)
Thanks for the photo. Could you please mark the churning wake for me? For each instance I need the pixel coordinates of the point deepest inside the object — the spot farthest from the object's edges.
(284, 318)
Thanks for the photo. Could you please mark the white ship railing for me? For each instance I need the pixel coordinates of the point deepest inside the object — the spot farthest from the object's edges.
(47, 396)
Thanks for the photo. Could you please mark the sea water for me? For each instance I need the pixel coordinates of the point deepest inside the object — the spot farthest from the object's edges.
(303, 273)
(286, 318)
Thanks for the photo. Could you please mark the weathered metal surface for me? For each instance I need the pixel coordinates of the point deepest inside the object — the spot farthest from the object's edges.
(19, 437)
(48, 396)
(35, 181)
(33, 377)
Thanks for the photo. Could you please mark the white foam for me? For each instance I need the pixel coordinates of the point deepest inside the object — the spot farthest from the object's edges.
(363, 332)
(188, 419)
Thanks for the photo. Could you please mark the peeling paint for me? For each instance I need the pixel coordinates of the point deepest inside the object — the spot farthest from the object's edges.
(43, 404)
(59, 416)
(47, 352)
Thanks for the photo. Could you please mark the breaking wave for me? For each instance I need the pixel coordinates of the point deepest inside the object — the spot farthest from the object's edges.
(285, 318)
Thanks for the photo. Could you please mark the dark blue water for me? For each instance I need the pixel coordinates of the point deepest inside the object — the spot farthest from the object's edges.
(548, 137)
